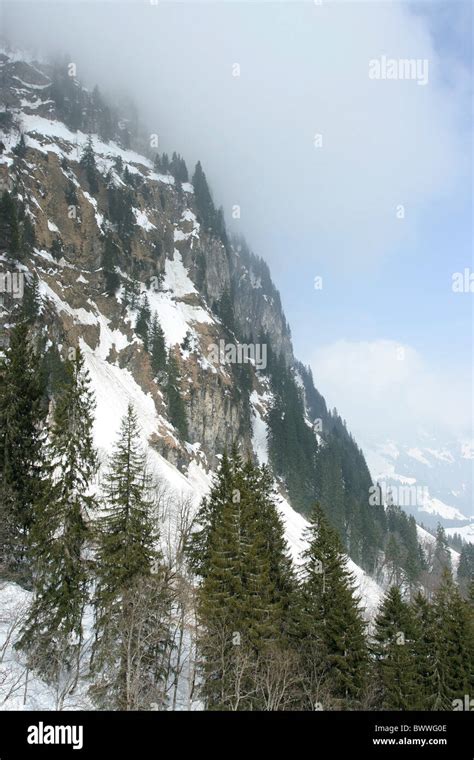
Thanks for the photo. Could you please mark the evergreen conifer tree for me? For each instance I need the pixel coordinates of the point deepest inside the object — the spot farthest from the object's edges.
(89, 164)
(142, 327)
(394, 651)
(454, 651)
(465, 572)
(426, 653)
(9, 227)
(157, 346)
(176, 407)
(109, 259)
(20, 149)
(246, 585)
(21, 444)
(330, 616)
(52, 635)
(132, 598)
(203, 198)
(442, 556)
(31, 299)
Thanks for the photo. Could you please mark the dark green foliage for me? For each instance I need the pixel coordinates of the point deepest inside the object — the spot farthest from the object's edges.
(52, 634)
(21, 446)
(178, 168)
(132, 598)
(394, 650)
(20, 148)
(454, 644)
(162, 163)
(426, 653)
(176, 406)
(131, 291)
(465, 573)
(80, 109)
(246, 584)
(57, 248)
(127, 537)
(292, 443)
(186, 344)
(109, 263)
(121, 213)
(204, 203)
(9, 226)
(89, 164)
(403, 553)
(71, 195)
(330, 620)
(442, 555)
(31, 302)
(142, 327)
(157, 346)
(54, 372)
(225, 310)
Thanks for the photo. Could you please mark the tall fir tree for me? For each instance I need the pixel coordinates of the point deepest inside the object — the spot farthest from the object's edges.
(426, 653)
(31, 302)
(454, 650)
(176, 407)
(465, 571)
(90, 166)
(157, 346)
(240, 554)
(52, 635)
(109, 262)
(132, 597)
(204, 203)
(442, 555)
(142, 327)
(330, 616)
(22, 419)
(394, 652)
(9, 226)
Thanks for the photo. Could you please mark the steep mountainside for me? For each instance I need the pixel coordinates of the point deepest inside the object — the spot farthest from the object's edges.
(126, 251)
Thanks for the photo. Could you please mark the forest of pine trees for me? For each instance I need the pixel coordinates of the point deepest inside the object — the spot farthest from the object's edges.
(301, 641)
(266, 634)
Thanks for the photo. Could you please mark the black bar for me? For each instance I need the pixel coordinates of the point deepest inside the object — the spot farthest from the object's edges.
(317, 735)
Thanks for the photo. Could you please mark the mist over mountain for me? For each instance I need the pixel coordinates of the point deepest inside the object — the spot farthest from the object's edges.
(182, 510)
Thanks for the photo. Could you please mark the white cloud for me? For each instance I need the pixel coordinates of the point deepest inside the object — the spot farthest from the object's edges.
(386, 390)
(304, 69)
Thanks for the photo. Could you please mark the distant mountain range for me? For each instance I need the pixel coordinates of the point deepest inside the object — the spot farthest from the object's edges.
(431, 478)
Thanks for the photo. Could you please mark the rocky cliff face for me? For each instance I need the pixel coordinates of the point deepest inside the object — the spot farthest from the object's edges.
(164, 252)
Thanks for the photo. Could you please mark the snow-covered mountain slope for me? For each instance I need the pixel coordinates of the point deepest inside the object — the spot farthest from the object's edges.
(428, 542)
(432, 480)
(114, 387)
(466, 532)
(163, 259)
